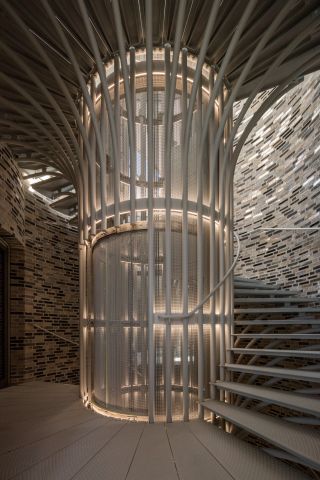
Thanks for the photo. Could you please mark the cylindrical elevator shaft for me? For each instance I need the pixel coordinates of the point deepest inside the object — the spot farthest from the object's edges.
(156, 212)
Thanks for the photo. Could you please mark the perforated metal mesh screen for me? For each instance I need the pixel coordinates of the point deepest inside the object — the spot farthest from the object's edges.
(120, 358)
(160, 96)
(120, 272)
(120, 262)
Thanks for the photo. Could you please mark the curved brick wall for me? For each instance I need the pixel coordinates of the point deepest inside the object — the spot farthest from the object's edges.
(12, 202)
(277, 184)
(44, 281)
(51, 294)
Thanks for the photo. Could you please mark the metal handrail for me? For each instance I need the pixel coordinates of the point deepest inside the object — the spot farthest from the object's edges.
(210, 294)
(54, 334)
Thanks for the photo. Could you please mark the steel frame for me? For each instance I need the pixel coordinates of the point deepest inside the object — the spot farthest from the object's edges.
(184, 205)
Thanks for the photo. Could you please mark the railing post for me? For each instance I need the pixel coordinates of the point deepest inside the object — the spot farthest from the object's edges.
(200, 363)
(185, 249)
(200, 235)
(151, 269)
(83, 320)
(222, 257)
(213, 263)
(90, 323)
(168, 249)
(168, 370)
(116, 167)
(185, 370)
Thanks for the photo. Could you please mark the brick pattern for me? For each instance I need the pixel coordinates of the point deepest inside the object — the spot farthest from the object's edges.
(12, 203)
(277, 185)
(2, 314)
(44, 286)
(51, 293)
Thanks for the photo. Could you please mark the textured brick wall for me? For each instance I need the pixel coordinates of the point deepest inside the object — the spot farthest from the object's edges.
(3, 371)
(277, 184)
(12, 203)
(51, 294)
(43, 283)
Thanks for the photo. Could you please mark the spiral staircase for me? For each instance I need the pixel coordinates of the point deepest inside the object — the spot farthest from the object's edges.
(273, 385)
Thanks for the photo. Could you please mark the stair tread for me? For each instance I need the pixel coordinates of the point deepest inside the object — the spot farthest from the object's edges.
(278, 310)
(277, 300)
(291, 373)
(277, 453)
(292, 336)
(285, 321)
(257, 286)
(280, 397)
(304, 420)
(279, 353)
(250, 280)
(308, 391)
(253, 291)
(297, 440)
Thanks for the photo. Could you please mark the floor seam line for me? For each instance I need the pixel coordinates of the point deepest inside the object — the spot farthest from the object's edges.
(171, 450)
(212, 455)
(134, 453)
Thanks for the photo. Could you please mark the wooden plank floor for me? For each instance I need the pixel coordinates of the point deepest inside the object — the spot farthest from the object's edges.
(47, 434)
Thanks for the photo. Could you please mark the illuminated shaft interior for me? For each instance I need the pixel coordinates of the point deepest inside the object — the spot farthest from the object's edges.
(153, 212)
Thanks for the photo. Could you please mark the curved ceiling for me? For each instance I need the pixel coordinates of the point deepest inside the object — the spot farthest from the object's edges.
(28, 121)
